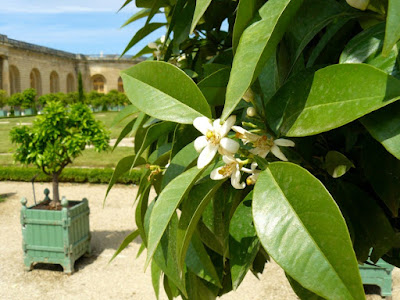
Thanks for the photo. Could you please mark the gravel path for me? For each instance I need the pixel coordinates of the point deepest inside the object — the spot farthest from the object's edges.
(94, 278)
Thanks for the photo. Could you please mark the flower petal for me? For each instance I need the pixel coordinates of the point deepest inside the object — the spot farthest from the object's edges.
(203, 124)
(226, 127)
(235, 180)
(260, 152)
(215, 175)
(278, 153)
(239, 129)
(228, 159)
(200, 143)
(206, 156)
(284, 143)
(229, 145)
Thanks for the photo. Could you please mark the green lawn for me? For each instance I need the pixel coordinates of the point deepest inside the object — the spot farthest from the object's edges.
(90, 158)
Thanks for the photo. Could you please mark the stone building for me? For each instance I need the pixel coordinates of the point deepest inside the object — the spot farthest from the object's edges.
(24, 65)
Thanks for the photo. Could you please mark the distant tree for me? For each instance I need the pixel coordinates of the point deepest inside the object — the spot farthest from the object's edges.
(56, 138)
(15, 101)
(81, 96)
(3, 98)
(95, 99)
(29, 99)
(44, 99)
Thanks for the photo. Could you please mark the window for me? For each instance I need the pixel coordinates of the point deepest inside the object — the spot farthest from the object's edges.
(54, 82)
(99, 83)
(120, 85)
(36, 81)
(15, 81)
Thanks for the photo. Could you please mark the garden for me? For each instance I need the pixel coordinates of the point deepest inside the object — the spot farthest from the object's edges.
(268, 138)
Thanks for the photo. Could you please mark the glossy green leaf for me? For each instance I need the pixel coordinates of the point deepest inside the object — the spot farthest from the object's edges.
(150, 3)
(127, 111)
(314, 102)
(129, 239)
(155, 278)
(198, 261)
(311, 18)
(201, 7)
(384, 126)
(301, 292)
(124, 132)
(183, 22)
(257, 44)
(155, 8)
(213, 86)
(141, 209)
(337, 164)
(141, 34)
(179, 163)
(366, 47)
(184, 134)
(153, 133)
(392, 34)
(383, 172)
(302, 229)
(123, 166)
(193, 208)
(243, 241)
(245, 12)
(137, 16)
(164, 92)
(166, 204)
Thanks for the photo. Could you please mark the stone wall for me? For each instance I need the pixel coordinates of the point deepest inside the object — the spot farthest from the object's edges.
(25, 65)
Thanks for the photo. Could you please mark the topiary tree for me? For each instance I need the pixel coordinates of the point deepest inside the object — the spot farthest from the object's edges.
(3, 98)
(270, 130)
(15, 101)
(56, 138)
(29, 99)
(81, 94)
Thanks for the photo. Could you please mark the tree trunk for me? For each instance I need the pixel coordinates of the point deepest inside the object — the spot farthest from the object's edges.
(56, 197)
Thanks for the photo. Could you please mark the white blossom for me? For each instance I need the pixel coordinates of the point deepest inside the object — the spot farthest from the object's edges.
(251, 111)
(252, 179)
(214, 139)
(263, 144)
(231, 169)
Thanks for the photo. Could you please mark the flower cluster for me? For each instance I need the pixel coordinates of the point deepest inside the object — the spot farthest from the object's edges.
(214, 140)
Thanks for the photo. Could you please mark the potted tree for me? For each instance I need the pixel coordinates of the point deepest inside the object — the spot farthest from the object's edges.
(3, 102)
(57, 231)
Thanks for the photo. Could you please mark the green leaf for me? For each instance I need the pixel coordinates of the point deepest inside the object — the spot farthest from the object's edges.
(366, 47)
(124, 132)
(179, 163)
(301, 228)
(198, 261)
(384, 126)
(150, 3)
(337, 164)
(392, 26)
(201, 7)
(127, 111)
(252, 53)
(314, 102)
(125, 4)
(192, 210)
(133, 235)
(245, 12)
(141, 209)
(163, 91)
(140, 14)
(213, 86)
(123, 166)
(301, 292)
(142, 33)
(243, 241)
(155, 278)
(166, 205)
(383, 172)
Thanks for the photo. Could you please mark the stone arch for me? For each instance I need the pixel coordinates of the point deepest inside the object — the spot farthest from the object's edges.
(70, 83)
(54, 82)
(120, 85)
(36, 81)
(99, 83)
(15, 80)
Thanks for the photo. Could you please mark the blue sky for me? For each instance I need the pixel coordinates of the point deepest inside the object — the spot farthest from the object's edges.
(78, 26)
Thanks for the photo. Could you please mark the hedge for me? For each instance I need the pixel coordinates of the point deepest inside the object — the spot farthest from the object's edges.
(77, 175)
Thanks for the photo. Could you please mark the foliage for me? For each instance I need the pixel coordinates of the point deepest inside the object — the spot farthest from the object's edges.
(57, 137)
(15, 100)
(3, 98)
(81, 95)
(29, 98)
(78, 175)
(292, 107)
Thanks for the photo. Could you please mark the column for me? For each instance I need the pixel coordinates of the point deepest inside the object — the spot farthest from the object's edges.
(5, 75)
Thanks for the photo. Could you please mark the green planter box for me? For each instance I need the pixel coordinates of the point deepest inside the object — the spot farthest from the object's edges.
(379, 274)
(56, 237)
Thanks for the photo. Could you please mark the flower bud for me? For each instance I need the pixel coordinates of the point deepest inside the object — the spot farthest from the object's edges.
(359, 4)
(162, 39)
(248, 96)
(152, 45)
(251, 111)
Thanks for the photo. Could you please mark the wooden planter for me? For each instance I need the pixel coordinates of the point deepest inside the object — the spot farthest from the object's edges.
(55, 237)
